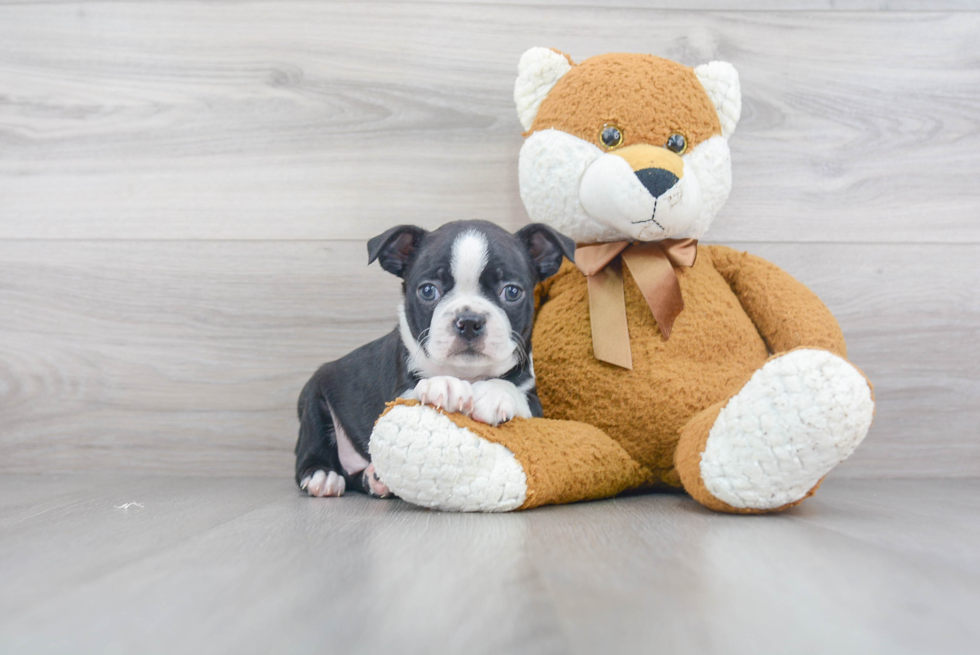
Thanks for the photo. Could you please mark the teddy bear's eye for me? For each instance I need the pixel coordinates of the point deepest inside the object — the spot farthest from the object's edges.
(610, 136)
(676, 143)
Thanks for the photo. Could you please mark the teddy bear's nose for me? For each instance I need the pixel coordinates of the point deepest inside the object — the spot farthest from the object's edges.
(656, 180)
(658, 169)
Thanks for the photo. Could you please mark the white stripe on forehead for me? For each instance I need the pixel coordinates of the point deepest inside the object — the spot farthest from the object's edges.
(469, 258)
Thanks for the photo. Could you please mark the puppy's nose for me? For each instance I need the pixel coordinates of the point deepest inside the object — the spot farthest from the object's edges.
(469, 326)
(657, 180)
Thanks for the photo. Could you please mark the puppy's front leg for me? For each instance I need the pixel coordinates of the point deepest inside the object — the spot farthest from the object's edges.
(445, 392)
(498, 401)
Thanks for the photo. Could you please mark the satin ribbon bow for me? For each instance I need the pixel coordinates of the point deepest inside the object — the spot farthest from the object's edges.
(651, 264)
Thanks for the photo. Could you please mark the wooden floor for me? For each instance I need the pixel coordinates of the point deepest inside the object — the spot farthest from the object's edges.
(251, 566)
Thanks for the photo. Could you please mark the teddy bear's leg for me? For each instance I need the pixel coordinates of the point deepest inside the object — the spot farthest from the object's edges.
(768, 447)
(451, 462)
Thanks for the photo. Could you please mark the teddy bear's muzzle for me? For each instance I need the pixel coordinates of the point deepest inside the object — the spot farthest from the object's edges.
(642, 192)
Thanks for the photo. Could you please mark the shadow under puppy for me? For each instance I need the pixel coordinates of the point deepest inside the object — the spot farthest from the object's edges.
(463, 343)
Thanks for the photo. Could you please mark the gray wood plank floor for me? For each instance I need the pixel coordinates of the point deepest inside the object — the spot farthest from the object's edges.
(242, 566)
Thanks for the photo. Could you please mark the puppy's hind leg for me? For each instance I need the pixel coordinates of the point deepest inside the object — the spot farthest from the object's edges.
(318, 468)
(325, 454)
(372, 485)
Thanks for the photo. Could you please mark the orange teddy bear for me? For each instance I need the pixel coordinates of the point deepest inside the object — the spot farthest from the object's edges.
(659, 363)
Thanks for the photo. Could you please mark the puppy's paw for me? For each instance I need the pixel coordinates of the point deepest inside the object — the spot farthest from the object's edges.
(498, 401)
(324, 483)
(445, 392)
(373, 485)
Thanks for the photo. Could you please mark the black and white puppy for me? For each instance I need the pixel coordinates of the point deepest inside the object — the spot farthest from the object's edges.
(463, 343)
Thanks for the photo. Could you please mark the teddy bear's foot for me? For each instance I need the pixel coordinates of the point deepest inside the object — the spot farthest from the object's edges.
(772, 443)
(426, 459)
(451, 462)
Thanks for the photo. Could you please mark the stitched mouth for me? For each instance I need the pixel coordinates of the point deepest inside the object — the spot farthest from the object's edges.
(651, 219)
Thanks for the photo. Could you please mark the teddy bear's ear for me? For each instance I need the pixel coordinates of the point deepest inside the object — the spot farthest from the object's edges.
(538, 71)
(720, 80)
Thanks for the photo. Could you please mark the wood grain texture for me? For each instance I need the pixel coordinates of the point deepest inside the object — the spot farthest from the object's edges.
(185, 189)
(276, 120)
(252, 566)
(692, 5)
(117, 352)
(189, 357)
(742, 5)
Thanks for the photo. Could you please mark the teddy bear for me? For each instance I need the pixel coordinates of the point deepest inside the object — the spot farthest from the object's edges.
(660, 363)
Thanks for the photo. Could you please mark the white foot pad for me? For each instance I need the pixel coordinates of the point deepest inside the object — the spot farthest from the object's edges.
(322, 484)
(426, 459)
(373, 485)
(797, 418)
(445, 392)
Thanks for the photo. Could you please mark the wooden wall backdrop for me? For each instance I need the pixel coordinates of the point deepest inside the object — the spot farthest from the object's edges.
(186, 188)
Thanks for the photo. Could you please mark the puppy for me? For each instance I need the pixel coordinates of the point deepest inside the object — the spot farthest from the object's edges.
(463, 343)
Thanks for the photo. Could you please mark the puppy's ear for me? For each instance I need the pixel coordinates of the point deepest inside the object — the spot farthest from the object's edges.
(546, 248)
(394, 249)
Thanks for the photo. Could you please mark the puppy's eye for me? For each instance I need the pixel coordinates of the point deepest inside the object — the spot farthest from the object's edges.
(511, 293)
(611, 136)
(676, 143)
(429, 292)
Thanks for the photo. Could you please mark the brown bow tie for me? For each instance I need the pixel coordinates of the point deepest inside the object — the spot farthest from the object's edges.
(652, 265)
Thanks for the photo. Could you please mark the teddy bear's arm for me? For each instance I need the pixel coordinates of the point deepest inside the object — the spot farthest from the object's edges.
(787, 314)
